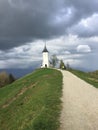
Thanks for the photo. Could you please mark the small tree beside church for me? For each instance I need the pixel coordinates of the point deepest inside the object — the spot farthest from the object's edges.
(54, 60)
(62, 65)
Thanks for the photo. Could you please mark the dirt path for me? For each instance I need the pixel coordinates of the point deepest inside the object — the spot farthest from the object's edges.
(80, 104)
(21, 92)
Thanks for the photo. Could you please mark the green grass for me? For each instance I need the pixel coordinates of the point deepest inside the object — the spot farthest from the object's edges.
(88, 77)
(32, 102)
(94, 74)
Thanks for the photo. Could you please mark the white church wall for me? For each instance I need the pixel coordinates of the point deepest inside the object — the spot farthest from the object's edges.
(45, 59)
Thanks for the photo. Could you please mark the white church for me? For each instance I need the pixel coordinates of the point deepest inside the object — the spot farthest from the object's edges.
(45, 62)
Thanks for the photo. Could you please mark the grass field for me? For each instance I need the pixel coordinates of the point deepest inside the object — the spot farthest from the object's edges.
(91, 77)
(32, 102)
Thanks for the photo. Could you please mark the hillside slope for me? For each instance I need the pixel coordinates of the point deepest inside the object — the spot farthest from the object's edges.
(32, 102)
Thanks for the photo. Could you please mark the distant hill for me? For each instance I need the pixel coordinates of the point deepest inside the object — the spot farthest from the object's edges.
(18, 72)
(32, 102)
(6, 79)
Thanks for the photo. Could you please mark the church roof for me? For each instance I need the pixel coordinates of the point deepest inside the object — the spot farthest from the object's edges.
(45, 49)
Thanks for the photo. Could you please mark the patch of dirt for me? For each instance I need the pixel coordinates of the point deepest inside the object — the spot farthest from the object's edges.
(93, 79)
(47, 76)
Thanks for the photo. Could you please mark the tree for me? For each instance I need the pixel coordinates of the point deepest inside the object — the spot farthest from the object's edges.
(62, 65)
(54, 60)
(4, 79)
(11, 78)
(67, 66)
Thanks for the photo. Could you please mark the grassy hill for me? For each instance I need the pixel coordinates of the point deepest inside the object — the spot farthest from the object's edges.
(91, 77)
(32, 102)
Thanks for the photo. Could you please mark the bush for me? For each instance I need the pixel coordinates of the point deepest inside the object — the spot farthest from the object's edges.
(6, 79)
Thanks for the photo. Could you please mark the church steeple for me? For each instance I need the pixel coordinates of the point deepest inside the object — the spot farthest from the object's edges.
(45, 49)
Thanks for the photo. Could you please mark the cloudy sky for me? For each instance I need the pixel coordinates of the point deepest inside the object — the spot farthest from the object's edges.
(69, 27)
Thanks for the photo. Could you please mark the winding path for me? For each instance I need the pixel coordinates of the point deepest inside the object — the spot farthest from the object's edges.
(80, 104)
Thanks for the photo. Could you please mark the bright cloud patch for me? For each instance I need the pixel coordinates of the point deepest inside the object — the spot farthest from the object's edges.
(86, 27)
(83, 48)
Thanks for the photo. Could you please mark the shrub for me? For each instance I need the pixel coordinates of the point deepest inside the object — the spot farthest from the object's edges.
(6, 79)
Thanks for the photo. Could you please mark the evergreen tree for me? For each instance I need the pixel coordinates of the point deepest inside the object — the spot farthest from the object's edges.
(62, 65)
(11, 78)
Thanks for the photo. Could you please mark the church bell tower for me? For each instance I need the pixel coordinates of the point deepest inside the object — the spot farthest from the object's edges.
(45, 63)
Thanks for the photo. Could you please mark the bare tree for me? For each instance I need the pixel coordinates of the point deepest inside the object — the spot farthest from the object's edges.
(54, 60)
(67, 66)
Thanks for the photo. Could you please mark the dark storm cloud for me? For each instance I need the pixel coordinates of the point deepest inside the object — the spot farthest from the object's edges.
(24, 20)
(7, 43)
(27, 21)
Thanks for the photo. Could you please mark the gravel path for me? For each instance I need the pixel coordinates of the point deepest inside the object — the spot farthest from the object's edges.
(80, 104)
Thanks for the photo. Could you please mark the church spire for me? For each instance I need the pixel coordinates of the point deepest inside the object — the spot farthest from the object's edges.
(45, 48)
